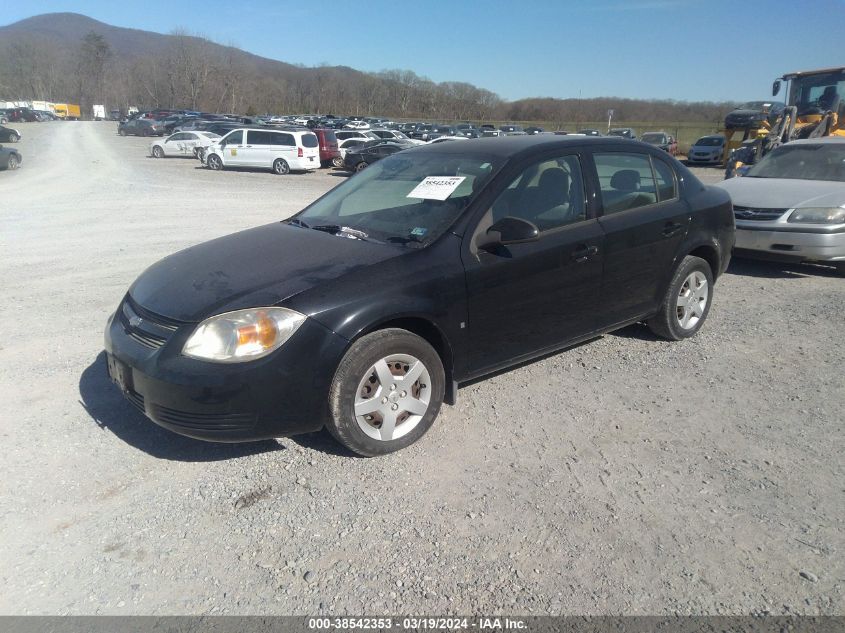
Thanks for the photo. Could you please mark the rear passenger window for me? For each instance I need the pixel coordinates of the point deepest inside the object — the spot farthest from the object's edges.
(626, 181)
(667, 189)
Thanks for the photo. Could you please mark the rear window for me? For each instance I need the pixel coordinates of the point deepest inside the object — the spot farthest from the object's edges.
(329, 136)
(309, 140)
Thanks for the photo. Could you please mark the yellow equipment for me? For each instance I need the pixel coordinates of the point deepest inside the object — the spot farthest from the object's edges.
(815, 107)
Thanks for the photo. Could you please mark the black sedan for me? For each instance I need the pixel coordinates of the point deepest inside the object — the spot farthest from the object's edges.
(140, 127)
(9, 135)
(360, 157)
(9, 158)
(436, 266)
(754, 113)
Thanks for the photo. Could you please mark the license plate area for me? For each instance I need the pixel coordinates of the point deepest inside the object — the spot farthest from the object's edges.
(120, 374)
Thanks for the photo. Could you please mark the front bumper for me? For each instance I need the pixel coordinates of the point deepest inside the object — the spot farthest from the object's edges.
(709, 158)
(791, 244)
(283, 394)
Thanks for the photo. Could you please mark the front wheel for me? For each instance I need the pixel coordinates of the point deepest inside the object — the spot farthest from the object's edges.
(687, 301)
(122, 132)
(158, 152)
(214, 162)
(386, 392)
(281, 167)
(361, 166)
(840, 268)
(13, 162)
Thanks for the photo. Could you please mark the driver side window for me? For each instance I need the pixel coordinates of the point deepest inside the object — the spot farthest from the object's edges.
(549, 194)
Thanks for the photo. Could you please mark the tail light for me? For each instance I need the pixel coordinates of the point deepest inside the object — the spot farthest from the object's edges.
(299, 152)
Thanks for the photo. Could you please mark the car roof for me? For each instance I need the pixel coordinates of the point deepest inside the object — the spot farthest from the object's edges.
(511, 146)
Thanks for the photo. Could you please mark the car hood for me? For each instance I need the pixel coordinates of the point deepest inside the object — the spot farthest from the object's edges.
(784, 193)
(258, 267)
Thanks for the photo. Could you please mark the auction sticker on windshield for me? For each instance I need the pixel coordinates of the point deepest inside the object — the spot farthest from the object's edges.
(436, 187)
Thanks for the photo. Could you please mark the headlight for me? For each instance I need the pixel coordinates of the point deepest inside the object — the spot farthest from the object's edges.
(818, 215)
(242, 335)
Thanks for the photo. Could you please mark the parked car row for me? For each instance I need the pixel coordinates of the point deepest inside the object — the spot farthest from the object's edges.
(15, 115)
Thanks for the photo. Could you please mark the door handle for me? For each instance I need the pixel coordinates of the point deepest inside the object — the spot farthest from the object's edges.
(671, 228)
(584, 253)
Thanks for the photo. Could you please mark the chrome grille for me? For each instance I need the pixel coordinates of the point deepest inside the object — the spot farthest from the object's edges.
(755, 213)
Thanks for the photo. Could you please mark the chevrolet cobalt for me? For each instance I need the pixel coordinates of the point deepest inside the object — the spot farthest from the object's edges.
(364, 312)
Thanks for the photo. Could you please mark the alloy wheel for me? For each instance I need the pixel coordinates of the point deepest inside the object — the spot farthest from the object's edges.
(692, 300)
(392, 397)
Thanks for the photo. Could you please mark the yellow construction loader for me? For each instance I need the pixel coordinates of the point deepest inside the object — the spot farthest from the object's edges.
(815, 107)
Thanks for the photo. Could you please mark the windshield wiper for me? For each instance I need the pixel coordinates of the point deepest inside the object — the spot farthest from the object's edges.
(298, 222)
(343, 230)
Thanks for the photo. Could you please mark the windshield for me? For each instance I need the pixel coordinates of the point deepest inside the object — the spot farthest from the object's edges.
(408, 198)
(709, 141)
(803, 161)
(654, 139)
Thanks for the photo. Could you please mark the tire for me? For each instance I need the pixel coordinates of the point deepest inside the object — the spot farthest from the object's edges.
(337, 161)
(361, 166)
(687, 301)
(281, 167)
(214, 162)
(840, 268)
(158, 152)
(13, 162)
(383, 353)
(14, 138)
(122, 132)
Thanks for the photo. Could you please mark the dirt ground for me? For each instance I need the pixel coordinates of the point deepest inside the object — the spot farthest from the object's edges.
(626, 476)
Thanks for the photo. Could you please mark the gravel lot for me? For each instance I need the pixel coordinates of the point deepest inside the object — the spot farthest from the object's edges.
(626, 476)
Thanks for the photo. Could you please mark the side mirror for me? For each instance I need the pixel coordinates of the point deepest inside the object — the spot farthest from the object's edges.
(776, 87)
(511, 230)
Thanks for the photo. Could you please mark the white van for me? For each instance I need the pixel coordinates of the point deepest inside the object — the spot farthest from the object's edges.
(280, 151)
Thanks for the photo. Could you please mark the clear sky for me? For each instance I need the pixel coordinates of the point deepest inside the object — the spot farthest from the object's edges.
(669, 49)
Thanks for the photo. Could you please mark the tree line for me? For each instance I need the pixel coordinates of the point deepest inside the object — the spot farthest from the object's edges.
(195, 73)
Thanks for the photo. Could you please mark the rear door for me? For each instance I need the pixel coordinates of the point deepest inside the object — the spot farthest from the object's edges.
(645, 221)
(525, 298)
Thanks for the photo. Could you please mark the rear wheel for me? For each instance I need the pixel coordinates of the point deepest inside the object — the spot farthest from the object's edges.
(281, 167)
(386, 392)
(122, 132)
(214, 162)
(840, 268)
(337, 161)
(158, 152)
(361, 166)
(687, 301)
(14, 138)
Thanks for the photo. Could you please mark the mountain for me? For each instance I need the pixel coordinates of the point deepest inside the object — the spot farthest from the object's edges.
(71, 57)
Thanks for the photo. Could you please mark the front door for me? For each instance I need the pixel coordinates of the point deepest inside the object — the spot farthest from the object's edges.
(233, 152)
(524, 298)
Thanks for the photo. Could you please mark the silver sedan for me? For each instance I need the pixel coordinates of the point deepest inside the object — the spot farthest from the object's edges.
(791, 205)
